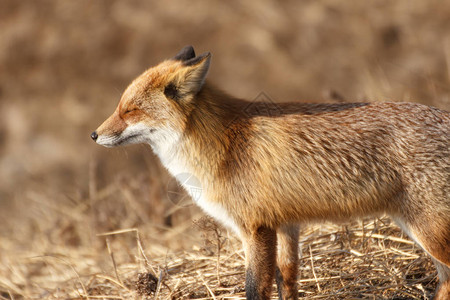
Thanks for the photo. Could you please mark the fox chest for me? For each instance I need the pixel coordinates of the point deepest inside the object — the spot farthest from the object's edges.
(200, 193)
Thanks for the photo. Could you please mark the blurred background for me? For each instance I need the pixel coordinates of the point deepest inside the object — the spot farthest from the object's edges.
(64, 64)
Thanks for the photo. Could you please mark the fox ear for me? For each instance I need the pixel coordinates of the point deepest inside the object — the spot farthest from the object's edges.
(185, 54)
(190, 78)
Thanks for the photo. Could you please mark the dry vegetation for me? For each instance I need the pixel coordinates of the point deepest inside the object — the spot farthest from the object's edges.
(80, 221)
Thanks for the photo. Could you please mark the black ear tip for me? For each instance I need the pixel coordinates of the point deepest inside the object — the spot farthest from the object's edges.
(185, 54)
(188, 49)
(196, 60)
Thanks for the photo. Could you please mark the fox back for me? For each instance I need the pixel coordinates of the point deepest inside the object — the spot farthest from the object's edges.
(265, 167)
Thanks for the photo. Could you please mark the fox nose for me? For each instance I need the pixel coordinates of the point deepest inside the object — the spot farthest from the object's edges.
(94, 135)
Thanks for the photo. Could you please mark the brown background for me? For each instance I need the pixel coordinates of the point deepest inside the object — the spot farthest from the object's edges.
(64, 64)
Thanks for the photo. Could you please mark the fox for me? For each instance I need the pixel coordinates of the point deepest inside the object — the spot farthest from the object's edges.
(267, 168)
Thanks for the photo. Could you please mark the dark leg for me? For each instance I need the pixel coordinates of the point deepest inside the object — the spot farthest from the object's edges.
(260, 252)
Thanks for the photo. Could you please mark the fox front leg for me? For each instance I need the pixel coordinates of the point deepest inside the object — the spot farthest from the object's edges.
(260, 256)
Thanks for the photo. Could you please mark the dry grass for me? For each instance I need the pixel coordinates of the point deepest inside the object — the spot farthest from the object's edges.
(63, 65)
(370, 260)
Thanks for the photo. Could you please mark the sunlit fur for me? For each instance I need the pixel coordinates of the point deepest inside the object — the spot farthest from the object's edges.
(264, 167)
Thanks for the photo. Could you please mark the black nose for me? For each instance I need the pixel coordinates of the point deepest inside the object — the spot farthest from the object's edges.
(94, 135)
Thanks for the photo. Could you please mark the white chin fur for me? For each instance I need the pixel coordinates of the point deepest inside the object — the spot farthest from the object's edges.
(133, 134)
(106, 140)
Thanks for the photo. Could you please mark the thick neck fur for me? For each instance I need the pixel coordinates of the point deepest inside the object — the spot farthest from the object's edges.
(206, 142)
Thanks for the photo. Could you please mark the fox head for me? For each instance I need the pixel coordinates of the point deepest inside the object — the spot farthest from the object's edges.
(156, 105)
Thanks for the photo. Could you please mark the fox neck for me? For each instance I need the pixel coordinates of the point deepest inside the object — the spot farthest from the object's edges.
(203, 144)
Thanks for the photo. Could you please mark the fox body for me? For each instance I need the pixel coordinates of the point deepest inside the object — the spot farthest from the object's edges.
(266, 167)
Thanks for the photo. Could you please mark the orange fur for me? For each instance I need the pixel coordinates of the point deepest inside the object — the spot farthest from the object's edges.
(266, 166)
(444, 291)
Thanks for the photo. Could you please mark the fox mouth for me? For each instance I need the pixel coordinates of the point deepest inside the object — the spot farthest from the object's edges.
(114, 141)
(125, 138)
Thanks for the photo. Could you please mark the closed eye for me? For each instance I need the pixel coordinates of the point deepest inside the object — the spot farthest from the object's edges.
(129, 110)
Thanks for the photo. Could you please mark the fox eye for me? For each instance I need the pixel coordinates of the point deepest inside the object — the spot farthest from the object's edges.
(130, 109)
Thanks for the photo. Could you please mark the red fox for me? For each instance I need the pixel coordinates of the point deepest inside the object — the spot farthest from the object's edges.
(264, 168)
